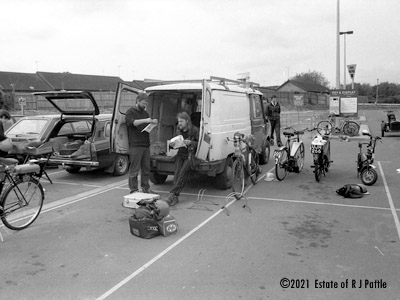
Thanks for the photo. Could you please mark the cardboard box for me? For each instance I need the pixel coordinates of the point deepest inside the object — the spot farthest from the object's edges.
(131, 200)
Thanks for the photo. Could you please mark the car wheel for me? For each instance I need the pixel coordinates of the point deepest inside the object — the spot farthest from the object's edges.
(223, 180)
(72, 170)
(121, 165)
(157, 178)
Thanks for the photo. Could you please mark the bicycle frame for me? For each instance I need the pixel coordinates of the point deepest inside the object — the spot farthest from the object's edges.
(294, 148)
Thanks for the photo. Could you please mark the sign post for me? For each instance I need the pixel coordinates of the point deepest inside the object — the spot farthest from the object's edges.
(22, 103)
(352, 71)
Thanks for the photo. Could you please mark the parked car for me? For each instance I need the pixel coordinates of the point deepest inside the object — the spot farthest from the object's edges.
(218, 107)
(79, 135)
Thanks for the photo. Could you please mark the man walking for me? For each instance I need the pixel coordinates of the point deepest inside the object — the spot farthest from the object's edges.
(274, 117)
(137, 119)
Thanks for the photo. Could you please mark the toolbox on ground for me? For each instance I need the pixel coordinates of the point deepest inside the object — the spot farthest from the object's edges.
(131, 200)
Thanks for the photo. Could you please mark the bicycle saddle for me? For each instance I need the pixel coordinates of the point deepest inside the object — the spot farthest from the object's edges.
(288, 134)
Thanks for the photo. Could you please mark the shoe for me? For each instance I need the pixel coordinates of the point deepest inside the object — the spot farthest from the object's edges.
(172, 199)
(148, 191)
(271, 142)
(133, 191)
(280, 144)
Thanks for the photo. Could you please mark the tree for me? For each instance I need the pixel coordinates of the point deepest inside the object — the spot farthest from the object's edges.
(312, 76)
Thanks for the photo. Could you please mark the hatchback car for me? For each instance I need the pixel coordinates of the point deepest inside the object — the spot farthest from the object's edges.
(79, 135)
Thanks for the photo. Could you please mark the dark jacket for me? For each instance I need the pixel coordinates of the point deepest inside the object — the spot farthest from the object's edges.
(136, 137)
(273, 111)
(192, 135)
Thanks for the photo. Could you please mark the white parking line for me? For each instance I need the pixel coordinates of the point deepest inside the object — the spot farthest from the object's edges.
(392, 208)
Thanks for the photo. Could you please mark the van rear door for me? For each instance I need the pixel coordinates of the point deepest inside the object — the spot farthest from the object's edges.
(125, 98)
(205, 134)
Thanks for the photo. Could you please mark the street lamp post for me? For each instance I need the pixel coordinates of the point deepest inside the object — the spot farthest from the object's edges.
(344, 33)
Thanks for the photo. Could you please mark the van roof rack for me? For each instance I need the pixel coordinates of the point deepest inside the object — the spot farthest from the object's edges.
(221, 80)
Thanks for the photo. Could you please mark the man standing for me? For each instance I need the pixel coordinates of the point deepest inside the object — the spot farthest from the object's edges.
(274, 117)
(137, 119)
(190, 136)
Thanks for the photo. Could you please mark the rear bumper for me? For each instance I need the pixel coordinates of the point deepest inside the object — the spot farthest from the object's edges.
(71, 162)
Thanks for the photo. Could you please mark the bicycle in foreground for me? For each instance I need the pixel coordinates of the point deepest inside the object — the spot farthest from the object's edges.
(365, 168)
(321, 152)
(290, 157)
(347, 127)
(245, 164)
(21, 192)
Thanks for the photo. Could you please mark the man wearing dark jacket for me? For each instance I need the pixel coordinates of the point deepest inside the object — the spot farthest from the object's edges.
(274, 117)
(190, 136)
(137, 119)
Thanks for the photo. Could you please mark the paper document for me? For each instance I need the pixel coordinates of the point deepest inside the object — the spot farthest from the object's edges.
(178, 142)
(149, 127)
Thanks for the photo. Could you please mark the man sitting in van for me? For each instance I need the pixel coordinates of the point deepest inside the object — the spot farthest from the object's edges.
(183, 158)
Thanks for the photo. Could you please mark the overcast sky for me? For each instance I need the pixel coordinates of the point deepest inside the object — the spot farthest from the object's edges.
(193, 39)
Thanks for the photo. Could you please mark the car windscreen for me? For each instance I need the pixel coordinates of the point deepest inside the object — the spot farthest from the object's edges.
(28, 127)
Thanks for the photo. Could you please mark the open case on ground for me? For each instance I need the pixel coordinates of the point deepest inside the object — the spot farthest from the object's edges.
(131, 200)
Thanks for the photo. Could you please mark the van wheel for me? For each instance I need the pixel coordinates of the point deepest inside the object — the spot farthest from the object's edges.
(265, 153)
(223, 180)
(121, 165)
(72, 170)
(157, 178)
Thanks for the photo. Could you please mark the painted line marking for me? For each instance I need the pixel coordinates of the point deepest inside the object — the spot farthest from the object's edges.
(389, 196)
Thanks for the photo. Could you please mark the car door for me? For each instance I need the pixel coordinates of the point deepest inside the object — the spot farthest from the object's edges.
(203, 147)
(125, 98)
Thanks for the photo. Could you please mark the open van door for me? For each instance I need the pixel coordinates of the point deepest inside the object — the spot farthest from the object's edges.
(204, 131)
(125, 98)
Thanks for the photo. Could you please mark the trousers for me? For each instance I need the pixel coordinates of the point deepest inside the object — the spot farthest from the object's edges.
(139, 162)
(182, 170)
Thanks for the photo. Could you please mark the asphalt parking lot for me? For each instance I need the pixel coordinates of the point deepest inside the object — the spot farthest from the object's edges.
(295, 239)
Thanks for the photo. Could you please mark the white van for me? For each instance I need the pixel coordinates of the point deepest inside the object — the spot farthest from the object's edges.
(218, 107)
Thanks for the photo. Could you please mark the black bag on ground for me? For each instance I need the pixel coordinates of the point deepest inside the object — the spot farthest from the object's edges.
(143, 223)
(352, 191)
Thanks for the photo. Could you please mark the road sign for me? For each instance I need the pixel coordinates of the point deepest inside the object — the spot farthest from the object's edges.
(352, 70)
(298, 100)
(22, 101)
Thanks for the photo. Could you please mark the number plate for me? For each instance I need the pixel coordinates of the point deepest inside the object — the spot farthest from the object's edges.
(277, 154)
(316, 149)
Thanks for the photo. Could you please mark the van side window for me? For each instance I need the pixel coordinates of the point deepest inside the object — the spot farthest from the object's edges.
(256, 106)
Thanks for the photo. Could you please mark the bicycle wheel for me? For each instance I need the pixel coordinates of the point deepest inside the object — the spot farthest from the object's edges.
(254, 166)
(281, 165)
(324, 127)
(351, 128)
(318, 169)
(299, 157)
(238, 178)
(22, 203)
